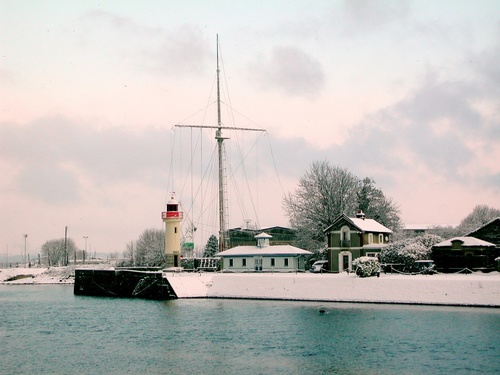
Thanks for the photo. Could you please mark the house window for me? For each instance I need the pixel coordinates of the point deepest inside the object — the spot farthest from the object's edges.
(230, 262)
(243, 262)
(272, 262)
(345, 237)
(286, 262)
(380, 238)
(370, 237)
(175, 229)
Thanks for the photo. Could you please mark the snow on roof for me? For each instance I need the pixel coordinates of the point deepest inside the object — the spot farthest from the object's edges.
(369, 225)
(417, 226)
(364, 225)
(263, 235)
(268, 250)
(466, 241)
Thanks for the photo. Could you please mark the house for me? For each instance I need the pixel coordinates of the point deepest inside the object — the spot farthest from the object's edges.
(488, 232)
(477, 250)
(263, 257)
(416, 229)
(349, 238)
(464, 252)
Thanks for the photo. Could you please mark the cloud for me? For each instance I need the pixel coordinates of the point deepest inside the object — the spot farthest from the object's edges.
(181, 50)
(48, 183)
(367, 16)
(55, 156)
(289, 70)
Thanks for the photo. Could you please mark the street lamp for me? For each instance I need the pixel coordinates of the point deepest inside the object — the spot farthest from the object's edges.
(85, 251)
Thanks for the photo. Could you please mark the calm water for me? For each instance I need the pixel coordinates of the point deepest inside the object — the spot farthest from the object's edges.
(48, 330)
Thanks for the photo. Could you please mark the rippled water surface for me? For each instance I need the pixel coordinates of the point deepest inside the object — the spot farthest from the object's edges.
(48, 330)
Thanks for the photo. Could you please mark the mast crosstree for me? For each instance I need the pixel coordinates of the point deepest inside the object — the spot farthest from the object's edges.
(223, 235)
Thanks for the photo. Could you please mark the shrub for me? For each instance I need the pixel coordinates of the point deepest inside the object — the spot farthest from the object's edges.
(406, 252)
(366, 266)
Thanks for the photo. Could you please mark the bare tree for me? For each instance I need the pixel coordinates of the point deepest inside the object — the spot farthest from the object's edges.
(150, 248)
(130, 254)
(324, 193)
(54, 251)
(480, 215)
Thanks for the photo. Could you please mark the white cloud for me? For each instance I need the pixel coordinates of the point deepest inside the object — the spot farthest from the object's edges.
(289, 70)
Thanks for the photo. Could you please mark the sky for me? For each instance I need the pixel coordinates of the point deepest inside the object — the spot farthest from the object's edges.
(404, 92)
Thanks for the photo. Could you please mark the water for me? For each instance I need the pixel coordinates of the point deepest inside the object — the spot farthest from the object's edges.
(48, 330)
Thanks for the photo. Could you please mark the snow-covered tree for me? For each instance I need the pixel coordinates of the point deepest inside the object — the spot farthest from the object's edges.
(211, 247)
(324, 193)
(150, 248)
(405, 252)
(375, 205)
(366, 266)
(480, 215)
(55, 253)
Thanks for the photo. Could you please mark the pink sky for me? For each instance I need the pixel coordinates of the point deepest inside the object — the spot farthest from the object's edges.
(403, 92)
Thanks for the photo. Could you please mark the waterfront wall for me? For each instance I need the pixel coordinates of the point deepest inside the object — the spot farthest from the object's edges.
(463, 290)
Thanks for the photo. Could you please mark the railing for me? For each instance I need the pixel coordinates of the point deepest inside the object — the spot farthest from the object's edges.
(169, 214)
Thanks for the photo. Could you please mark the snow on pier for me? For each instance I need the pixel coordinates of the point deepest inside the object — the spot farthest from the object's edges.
(476, 289)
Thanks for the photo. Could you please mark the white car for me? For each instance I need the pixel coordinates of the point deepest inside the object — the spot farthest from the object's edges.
(319, 266)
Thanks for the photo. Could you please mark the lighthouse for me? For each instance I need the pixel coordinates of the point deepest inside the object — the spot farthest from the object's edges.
(172, 219)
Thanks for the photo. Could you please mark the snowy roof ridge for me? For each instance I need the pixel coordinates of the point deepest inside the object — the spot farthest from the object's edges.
(364, 225)
(268, 250)
(466, 241)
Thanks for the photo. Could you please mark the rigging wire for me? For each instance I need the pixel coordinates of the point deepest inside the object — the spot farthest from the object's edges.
(204, 200)
(274, 165)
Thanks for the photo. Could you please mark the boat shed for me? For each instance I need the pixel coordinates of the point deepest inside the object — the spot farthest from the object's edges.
(263, 257)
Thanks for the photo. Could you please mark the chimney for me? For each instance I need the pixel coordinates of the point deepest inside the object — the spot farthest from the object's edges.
(360, 215)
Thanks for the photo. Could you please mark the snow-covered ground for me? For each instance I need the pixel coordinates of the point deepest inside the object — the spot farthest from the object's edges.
(477, 289)
(35, 275)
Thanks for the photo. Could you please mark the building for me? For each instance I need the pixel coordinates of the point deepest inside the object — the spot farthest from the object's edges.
(488, 232)
(478, 250)
(172, 218)
(416, 229)
(263, 257)
(465, 252)
(349, 238)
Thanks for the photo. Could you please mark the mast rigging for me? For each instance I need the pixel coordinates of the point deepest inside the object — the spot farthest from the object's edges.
(223, 235)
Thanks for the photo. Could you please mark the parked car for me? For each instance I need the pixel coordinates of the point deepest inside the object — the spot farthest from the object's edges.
(319, 266)
(425, 267)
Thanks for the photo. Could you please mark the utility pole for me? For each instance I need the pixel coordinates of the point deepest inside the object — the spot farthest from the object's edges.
(66, 257)
(85, 251)
(24, 257)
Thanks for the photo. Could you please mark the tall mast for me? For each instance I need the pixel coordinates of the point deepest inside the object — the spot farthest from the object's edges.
(222, 180)
(223, 236)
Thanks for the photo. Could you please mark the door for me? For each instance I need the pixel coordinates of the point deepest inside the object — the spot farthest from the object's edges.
(345, 262)
(258, 264)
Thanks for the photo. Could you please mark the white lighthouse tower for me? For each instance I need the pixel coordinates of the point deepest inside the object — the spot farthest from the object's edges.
(172, 218)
